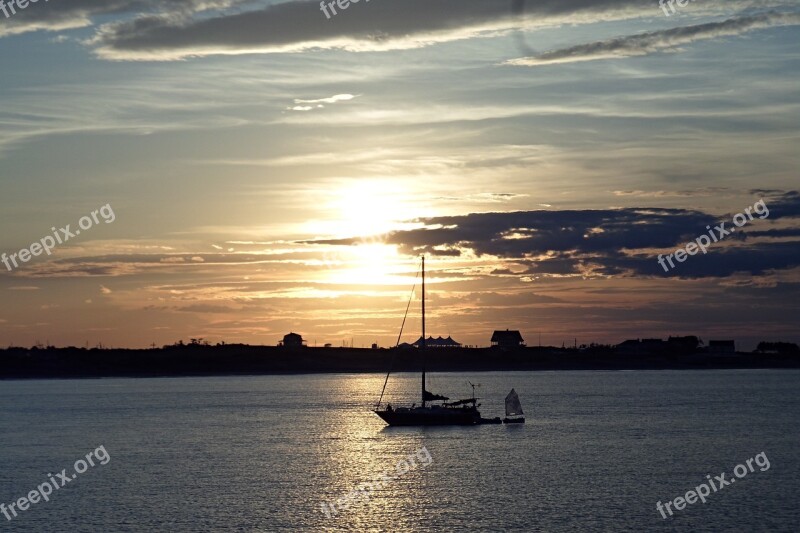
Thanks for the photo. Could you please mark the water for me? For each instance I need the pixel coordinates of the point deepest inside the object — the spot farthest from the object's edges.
(263, 453)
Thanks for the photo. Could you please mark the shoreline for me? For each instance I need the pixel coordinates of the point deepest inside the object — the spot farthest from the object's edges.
(245, 360)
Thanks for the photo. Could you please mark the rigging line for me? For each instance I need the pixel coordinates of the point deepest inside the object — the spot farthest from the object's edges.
(394, 356)
(408, 306)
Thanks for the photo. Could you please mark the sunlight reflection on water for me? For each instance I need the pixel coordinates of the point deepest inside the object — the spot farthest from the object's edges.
(263, 453)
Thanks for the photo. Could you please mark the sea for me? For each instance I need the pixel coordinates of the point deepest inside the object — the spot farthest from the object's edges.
(598, 451)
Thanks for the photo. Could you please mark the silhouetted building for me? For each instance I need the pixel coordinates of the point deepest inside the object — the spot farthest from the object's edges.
(721, 347)
(778, 347)
(438, 342)
(292, 340)
(507, 339)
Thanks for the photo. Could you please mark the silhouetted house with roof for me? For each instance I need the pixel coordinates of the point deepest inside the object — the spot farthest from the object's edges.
(778, 347)
(507, 339)
(722, 347)
(438, 342)
(292, 340)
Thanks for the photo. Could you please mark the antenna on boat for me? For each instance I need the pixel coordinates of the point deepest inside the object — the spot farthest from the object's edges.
(473, 385)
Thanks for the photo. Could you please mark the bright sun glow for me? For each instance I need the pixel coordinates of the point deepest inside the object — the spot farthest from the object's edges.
(367, 208)
(367, 211)
(368, 264)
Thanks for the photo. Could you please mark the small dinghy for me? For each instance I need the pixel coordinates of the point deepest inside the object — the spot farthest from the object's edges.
(514, 414)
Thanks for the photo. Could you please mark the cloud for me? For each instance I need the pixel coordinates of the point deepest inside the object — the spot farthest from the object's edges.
(153, 30)
(785, 205)
(129, 264)
(205, 308)
(532, 233)
(776, 233)
(486, 197)
(330, 100)
(686, 193)
(606, 242)
(318, 103)
(300, 25)
(658, 41)
(58, 16)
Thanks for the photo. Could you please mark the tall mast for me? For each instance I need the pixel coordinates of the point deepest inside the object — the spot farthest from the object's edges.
(422, 346)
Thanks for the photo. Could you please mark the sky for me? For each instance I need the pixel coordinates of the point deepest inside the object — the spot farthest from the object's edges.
(241, 169)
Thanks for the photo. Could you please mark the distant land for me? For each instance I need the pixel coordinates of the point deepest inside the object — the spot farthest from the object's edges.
(202, 359)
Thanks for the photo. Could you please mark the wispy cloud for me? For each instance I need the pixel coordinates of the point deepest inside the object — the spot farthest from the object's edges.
(658, 41)
(391, 25)
(57, 16)
(330, 100)
(308, 105)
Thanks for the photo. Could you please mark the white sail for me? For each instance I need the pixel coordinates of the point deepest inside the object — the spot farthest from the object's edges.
(513, 407)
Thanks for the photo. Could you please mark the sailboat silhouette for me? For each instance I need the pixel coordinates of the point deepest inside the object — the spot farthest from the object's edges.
(456, 413)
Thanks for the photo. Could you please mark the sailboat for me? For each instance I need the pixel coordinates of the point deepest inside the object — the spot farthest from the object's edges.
(429, 412)
(513, 409)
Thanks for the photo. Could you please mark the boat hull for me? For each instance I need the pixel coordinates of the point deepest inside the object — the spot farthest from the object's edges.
(430, 417)
(514, 420)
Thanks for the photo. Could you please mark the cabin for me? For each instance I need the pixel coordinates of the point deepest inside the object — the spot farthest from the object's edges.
(507, 339)
(722, 347)
(292, 340)
(778, 348)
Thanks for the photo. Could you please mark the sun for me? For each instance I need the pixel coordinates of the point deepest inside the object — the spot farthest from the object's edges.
(364, 213)
(370, 265)
(373, 207)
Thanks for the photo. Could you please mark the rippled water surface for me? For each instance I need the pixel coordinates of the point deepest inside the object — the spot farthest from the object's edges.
(264, 453)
